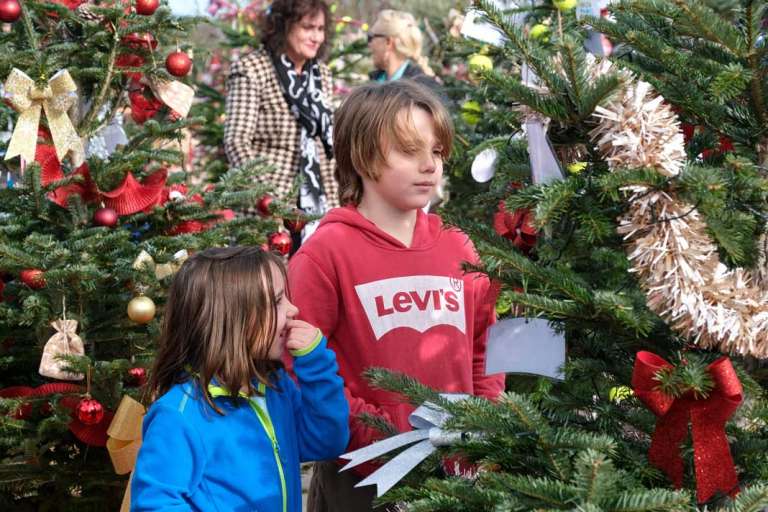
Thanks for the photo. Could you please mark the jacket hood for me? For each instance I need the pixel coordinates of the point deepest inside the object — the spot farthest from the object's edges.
(427, 231)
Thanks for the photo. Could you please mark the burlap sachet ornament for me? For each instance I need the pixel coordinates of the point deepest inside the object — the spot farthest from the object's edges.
(64, 342)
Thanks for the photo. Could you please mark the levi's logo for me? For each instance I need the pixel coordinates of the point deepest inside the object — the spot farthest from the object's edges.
(419, 302)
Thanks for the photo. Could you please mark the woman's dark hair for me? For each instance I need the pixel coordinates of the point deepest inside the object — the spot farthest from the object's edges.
(284, 14)
(220, 320)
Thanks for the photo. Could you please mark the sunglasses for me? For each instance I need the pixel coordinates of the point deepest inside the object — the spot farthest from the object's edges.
(371, 37)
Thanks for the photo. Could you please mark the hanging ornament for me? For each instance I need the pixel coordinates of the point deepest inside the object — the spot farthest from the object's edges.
(141, 309)
(263, 205)
(55, 98)
(10, 10)
(296, 221)
(280, 242)
(471, 111)
(539, 31)
(147, 7)
(565, 5)
(106, 217)
(89, 411)
(136, 377)
(65, 342)
(479, 64)
(484, 165)
(176, 95)
(33, 277)
(178, 63)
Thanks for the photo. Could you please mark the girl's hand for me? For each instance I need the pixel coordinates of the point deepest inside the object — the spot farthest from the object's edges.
(300, 334)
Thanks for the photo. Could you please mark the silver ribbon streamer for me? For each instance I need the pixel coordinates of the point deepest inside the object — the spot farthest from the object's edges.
(545, 167)
(427, 420)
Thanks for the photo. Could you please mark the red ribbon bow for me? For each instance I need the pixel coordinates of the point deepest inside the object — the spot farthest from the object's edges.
(715, 470)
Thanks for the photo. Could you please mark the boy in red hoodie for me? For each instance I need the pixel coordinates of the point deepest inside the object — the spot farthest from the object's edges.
(384, 280)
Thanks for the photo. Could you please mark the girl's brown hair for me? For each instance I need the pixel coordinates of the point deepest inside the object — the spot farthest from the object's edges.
(284, 14)
(374, 116)
(220, 320)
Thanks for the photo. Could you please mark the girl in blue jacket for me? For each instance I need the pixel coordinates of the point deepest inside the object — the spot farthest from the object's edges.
(228, 428)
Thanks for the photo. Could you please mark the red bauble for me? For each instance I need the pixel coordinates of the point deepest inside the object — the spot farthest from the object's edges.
(178, 63)
(10, 10)
(33, 277)
(146, 7)
(280, 242)
(263, 205)
(106, 217)
(89, 411)
(295, 222)
(136, 376)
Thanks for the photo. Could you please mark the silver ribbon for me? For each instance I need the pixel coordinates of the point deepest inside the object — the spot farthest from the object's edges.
(427, 420)
(545, 167)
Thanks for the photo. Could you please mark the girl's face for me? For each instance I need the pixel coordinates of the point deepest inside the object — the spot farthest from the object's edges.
(285, 311)
(305, 37)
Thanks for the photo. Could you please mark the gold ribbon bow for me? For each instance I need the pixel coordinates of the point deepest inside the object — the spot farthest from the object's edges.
(125, 440)
(162, 270)
(55, 98)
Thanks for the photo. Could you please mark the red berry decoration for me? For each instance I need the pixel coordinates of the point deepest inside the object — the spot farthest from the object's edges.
(89, 411)
(10, 10)
(106, 217)
(137, 376)
(295, 222)
(263, 205)
(147, 7)
(178, 63)
(33, 277)
(280, 242)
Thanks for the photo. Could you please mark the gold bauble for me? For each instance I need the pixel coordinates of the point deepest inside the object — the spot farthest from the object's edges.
(141, 309)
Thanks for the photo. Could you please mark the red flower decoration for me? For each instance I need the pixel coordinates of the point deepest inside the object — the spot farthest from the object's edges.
(51, 171)
(143, 107)
(136, 41)
(132, 197)
(131, 60)
(516, 226)
(71, 4)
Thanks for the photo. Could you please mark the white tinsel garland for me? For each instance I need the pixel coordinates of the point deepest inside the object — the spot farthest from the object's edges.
(676, 261)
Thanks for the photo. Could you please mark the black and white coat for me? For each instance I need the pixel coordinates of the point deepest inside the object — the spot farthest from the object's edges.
(259, 123)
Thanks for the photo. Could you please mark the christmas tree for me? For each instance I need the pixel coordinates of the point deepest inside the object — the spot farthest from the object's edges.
(98, 209)
(623, 201)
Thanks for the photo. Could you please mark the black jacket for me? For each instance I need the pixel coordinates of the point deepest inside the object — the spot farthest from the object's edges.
(414, 72)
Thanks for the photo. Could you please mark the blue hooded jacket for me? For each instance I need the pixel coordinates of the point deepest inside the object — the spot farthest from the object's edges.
(193, 458)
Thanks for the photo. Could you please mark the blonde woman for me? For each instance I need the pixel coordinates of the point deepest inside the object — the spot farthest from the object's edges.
(395, 43)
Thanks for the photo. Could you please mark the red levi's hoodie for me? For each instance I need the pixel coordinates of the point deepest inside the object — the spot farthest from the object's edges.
(408, 309)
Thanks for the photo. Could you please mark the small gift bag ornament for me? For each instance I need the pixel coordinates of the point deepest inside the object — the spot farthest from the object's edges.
(65, 342)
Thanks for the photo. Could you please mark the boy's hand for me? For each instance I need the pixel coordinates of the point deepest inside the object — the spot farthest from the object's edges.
(300, 334)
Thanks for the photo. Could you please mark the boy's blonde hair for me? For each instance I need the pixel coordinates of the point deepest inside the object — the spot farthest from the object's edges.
(401, 26)
(374, 116)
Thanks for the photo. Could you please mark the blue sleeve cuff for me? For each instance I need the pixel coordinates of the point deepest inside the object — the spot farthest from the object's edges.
(309, 348)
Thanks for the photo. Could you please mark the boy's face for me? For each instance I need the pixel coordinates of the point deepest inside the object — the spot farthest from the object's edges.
(408, 178)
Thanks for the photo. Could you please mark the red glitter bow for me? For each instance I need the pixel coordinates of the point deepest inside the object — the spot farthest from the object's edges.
(715, 470)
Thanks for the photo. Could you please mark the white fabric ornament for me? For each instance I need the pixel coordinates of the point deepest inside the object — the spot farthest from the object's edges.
(484, 165)
(64, 342)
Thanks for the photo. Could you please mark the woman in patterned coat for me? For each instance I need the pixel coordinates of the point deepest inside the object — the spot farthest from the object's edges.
(277, 105)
